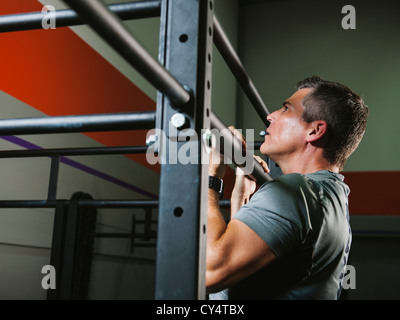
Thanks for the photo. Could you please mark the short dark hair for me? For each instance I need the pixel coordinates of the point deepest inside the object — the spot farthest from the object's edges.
(344, 112)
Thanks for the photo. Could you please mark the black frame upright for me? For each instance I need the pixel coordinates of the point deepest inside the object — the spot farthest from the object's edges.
(186, 45)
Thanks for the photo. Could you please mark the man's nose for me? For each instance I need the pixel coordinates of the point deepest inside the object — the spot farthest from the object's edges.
(270, 118)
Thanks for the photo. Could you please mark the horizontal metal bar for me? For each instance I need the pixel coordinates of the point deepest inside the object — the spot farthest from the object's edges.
(22, 204)
(127, 259)
(114, 32)
(258, 173)
(231, 58)
(255, 145)
(124, 235)
(138, 204)
(68, 17)
(376, 233)
(145, 222)
(72, 152)
(78, 123)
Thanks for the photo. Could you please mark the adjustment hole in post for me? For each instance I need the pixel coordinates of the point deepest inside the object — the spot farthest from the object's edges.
(178, 212)
(183, 38)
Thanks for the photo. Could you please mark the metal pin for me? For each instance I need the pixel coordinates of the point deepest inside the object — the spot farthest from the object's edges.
(178, 120)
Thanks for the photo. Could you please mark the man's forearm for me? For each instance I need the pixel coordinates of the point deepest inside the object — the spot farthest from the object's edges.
(215, 230)
(216, 223)
(237, 201)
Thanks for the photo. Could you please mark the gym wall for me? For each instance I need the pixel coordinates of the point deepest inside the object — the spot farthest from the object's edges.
(72, 71)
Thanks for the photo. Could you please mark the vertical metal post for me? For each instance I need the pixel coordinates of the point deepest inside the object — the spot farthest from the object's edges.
(186, 51)
(69, 252)
(133, 232)
(57, 248)
(55, 164)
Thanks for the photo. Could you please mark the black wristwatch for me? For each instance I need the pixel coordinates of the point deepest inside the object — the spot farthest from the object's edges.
(216, 184)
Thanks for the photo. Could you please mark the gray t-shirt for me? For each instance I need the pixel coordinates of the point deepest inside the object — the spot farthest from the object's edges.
(304, 219)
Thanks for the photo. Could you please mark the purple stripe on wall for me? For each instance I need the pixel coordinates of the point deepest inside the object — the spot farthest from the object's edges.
(21, 142)
(28, 145)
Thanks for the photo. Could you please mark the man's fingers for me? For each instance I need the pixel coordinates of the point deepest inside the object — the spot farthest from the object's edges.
(239, 171)
(263, 163)
(238, 135)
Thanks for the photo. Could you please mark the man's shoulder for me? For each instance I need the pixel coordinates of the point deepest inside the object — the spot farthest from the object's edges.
(295, 180)
(292, 178)
(287, 181)
(286, 188)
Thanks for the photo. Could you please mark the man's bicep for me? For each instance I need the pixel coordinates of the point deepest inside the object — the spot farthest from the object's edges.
(250, 246)
(244, 252)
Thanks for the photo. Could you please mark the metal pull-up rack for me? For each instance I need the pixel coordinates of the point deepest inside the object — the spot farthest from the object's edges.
(182, 76)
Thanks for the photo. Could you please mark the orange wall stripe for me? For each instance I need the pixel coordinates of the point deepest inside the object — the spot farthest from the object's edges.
(374, 192)
(57, 73)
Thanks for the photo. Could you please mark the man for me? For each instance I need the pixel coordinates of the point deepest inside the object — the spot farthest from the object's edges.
(291, 240)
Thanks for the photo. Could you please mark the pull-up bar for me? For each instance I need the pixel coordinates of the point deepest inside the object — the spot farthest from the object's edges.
(78, 123)
(30, 153)
(135, 10)
(140, 204)
(110, 28)
(68, 17)
(227, 51)
(257, 173)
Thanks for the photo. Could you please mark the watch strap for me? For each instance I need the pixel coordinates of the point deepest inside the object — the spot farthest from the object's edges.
(217, 185)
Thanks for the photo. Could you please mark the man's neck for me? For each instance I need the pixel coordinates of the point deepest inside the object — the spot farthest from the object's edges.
(304, 164)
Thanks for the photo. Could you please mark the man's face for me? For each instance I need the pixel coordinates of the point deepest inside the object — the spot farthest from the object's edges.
(287, 131)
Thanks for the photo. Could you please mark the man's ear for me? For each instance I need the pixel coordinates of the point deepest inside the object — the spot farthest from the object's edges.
(318, 131)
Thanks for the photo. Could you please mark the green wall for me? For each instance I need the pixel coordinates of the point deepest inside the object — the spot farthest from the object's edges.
(224, 88)
(285, 41)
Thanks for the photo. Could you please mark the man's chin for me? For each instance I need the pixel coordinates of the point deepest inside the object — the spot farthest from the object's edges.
(264, 150)
(267, 152)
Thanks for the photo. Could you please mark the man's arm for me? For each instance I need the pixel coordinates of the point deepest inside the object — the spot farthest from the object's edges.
(244, 188)
(234, 251)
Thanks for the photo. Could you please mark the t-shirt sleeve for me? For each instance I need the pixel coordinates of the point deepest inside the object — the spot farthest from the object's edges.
(278, 213)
